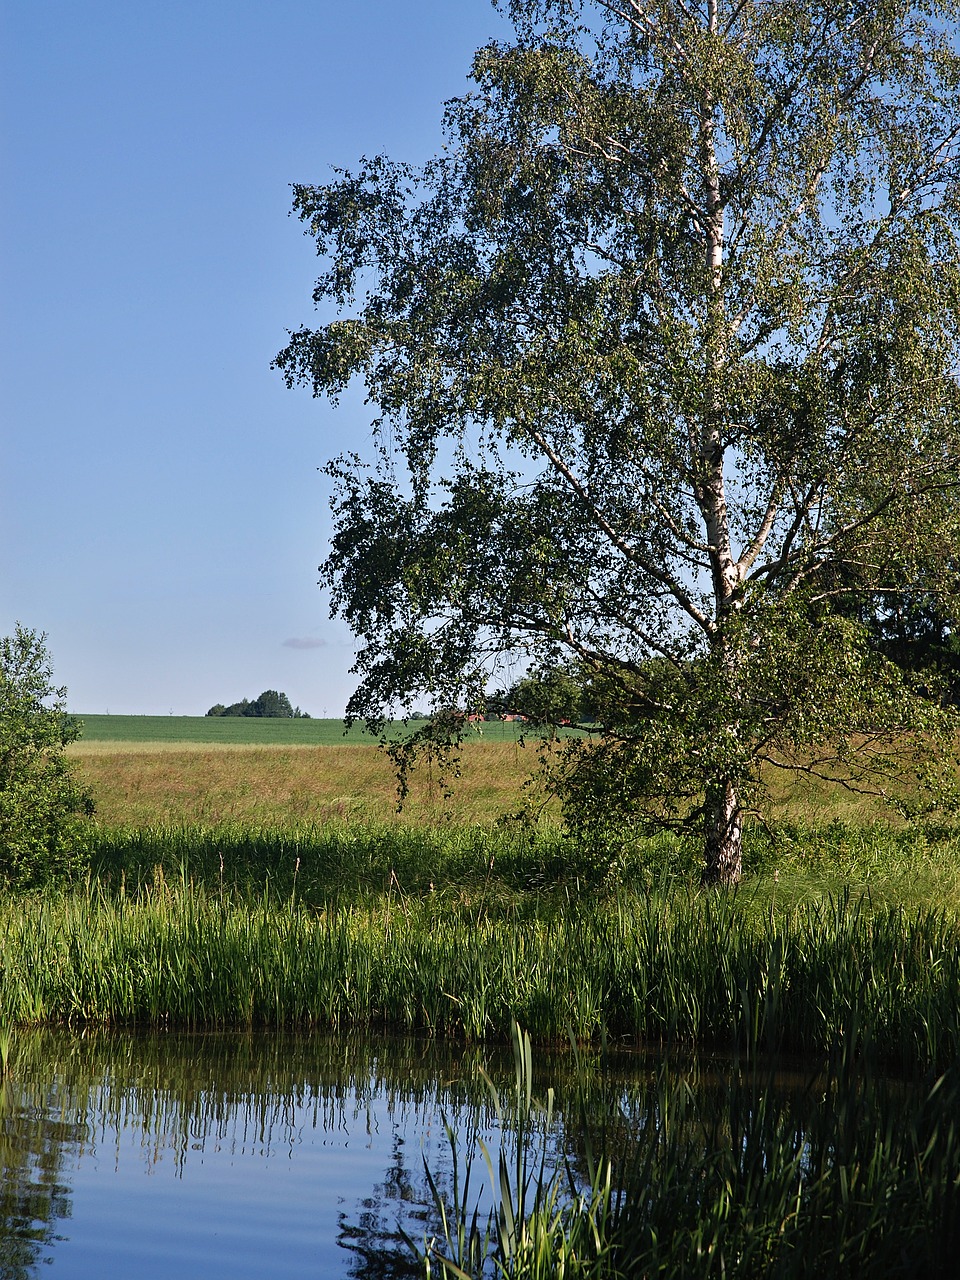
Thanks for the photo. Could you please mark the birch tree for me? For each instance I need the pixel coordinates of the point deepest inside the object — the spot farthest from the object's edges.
(662, 356)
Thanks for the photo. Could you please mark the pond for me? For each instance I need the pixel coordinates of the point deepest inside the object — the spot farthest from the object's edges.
(228, 1155)
(260, 1154)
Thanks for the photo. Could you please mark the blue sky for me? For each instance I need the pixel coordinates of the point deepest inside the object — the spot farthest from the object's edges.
(161, 509)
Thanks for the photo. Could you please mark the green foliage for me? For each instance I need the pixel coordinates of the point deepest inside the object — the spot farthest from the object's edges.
(921, 635)
(42, 804)
(552, 696)
(663, 354)
(725, 1172)
(270, 704)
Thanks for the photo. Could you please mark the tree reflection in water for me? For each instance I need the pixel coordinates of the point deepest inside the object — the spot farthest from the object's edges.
(179, 1099)
(374, 1238)
(34, 1197)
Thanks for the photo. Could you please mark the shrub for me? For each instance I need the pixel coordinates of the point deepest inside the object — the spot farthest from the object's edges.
(43, 806)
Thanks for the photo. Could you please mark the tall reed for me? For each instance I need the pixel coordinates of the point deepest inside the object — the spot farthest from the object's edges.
(852, 1176)
(678, 968)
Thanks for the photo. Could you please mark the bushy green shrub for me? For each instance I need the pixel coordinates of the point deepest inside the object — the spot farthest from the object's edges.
(43, 806)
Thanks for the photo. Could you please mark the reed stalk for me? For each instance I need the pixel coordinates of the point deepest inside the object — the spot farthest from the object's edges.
(678, 968)
(851, 1176)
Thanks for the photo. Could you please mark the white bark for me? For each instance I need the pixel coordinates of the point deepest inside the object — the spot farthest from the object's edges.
(724, 836)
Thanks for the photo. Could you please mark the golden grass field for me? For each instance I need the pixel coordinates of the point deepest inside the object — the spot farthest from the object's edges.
(137, 784)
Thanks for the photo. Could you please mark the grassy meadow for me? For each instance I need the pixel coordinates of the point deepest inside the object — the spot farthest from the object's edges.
(257, 884)
(282, 786)
(146, 770)
(273, 884)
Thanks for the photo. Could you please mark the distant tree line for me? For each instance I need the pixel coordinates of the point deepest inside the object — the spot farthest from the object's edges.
(909, 629)
(270, 703)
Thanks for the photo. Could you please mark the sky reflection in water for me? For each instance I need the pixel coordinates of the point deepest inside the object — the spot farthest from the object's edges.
(239, 1156)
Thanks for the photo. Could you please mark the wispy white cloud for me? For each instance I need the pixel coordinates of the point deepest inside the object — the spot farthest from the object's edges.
(305, 642)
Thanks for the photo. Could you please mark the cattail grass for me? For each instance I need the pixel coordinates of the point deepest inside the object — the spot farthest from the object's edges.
(678, 968)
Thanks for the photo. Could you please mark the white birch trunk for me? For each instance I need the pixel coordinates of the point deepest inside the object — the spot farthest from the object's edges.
(723, 817)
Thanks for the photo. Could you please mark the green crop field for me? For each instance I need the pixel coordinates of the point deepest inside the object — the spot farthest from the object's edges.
(240, 731)
(247, 731)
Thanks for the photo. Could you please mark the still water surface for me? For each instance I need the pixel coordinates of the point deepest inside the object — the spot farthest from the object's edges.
(227, 1155)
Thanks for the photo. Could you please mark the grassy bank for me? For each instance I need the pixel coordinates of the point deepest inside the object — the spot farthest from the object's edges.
(854, 1175)
(344, 928)
(840, 953)
(517, 868)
